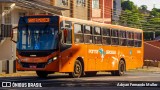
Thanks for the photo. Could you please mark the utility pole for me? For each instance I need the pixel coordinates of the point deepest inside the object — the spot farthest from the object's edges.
(103, 11)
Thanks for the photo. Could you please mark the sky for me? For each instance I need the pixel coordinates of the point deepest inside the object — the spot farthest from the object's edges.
(149, 3)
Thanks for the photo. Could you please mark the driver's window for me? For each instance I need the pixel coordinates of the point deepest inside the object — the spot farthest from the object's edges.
(66, 34)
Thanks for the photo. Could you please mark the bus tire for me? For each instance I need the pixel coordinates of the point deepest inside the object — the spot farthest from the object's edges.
(77, 71)
(90, 74)
(121, 69)
(42, 74)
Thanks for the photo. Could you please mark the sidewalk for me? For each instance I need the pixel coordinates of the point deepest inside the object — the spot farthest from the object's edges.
(147, 69)
(19, 74)
(33, 73)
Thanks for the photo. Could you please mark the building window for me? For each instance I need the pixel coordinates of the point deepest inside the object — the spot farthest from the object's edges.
(81, 3)
(21, 14)
(7, 19)
(95, 4)
(62, 2)
(7, 16)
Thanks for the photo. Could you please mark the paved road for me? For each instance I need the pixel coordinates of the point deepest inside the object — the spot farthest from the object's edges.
(101, 81)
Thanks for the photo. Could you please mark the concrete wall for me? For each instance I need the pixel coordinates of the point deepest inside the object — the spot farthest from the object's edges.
(6, 50)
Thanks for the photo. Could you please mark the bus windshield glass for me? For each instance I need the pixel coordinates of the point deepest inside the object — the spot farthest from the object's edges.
(37, 37)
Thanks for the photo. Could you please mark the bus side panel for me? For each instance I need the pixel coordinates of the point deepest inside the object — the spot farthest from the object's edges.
(125, 53)
(138, 57)
(91, 57)
(111, 60)
(69, 56)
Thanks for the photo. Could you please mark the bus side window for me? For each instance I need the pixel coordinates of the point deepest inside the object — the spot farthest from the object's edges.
(123, 40)
(138, 40)
(106, 36)
(88, 34)
(78, 33)
(115, 37)
(66, 35)
(97, 35)
(66, 30)
(130, 38)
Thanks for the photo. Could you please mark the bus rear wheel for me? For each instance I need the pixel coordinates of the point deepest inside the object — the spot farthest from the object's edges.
(78, 70)
(90, 74)
(121, 69)
(42, 74)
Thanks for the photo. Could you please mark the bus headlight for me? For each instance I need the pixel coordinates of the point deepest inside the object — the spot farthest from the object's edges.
(55, 58)
(51, 60)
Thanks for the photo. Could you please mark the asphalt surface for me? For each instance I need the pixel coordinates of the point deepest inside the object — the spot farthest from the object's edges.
(131, 80)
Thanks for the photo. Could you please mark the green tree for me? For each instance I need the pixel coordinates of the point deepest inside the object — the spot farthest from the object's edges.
(131, 19)
(129, 5)
(143, 7)
(155, 12)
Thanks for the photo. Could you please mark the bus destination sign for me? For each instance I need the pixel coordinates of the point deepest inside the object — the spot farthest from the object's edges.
(38, 20)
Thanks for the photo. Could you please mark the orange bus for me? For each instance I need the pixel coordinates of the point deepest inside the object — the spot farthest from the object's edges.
(48, 44)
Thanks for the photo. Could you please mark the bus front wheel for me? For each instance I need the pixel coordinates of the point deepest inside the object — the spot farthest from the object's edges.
(121, 69)
(42, 74)
(78, 70)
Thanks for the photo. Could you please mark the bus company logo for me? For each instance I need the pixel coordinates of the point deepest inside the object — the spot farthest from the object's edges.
(130, 52)
(101, 51)
(6, 84)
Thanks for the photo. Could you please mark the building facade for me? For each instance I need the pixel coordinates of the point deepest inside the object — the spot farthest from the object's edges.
(10, 11)
(95, 10)
(102, 11)
(9, 15)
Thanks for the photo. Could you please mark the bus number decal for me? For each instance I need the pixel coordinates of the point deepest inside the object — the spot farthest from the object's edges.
(101, 51)
(110, 52)
(138, 51)
(93, 51)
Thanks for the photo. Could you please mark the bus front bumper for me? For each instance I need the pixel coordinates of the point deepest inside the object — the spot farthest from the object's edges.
(37, 66)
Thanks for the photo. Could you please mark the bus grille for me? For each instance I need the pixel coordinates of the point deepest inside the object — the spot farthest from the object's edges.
(30, 65)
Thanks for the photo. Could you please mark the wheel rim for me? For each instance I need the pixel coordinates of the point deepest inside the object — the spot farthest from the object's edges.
(77, 69)
(122, 68)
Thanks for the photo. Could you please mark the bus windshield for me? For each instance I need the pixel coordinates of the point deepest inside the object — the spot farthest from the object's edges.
(37, 37)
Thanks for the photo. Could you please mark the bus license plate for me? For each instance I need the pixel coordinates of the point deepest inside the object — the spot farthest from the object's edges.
(32, 66)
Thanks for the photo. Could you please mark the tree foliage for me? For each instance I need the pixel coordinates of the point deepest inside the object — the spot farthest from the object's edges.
(128, 5)
(140, 17)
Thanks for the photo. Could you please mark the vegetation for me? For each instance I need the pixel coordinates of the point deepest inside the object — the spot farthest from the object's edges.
(140, 17)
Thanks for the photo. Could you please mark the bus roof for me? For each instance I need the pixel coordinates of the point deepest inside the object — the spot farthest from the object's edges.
(88, 22)
(101, 24)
